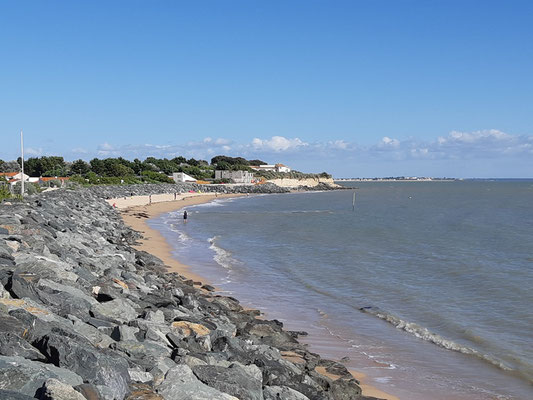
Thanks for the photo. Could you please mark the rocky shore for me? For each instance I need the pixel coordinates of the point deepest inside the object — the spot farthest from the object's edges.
(83, 315)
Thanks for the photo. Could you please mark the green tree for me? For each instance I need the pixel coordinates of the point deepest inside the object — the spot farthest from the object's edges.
(152, 176)
(45, 166)
(223, 165)
(52, 166)
(80, 167)
(113, 167)
(256, 162)
(32, 167)
(179, 160)
(230, 160)
(136, 165)
(193, 162)
(97, 166)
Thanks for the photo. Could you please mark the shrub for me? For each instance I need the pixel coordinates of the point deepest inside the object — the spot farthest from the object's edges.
(151, 176)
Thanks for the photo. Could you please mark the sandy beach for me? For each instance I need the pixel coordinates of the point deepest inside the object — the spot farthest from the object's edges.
(136, 211)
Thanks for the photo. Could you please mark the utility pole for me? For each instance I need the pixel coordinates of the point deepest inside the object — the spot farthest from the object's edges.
(22, 164)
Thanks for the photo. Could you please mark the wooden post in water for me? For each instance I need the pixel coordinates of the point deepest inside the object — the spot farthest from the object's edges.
(353, 201)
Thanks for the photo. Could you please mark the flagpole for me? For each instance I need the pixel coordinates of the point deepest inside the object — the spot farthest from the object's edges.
(22, 164)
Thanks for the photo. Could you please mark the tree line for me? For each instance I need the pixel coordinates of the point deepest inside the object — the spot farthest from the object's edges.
(152, 168)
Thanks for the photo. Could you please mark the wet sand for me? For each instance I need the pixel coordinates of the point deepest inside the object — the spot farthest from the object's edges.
(136, 211)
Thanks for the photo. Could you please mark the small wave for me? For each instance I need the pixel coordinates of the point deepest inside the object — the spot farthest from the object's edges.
(324, 316)
(424, 334)
(222, 257)
(214, 203)
(182, 236)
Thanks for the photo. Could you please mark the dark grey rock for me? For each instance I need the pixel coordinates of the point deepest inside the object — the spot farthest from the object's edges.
(282, 393)
(242, 382)
(345, 389)
(125, 333)
(13, 345)
(181, 384)
(99, 367)
(94, 335)
(12, 395)
(118, 311)
(11, 324)
(54, 389)
(145, 354)
(25, 376)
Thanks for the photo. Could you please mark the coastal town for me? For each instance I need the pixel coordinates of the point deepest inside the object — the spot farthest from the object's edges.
(50, 172)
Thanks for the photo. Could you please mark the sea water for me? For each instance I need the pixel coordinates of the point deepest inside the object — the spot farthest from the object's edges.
(426, 287)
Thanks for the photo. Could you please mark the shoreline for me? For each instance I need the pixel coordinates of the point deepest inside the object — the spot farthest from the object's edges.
(137, 210)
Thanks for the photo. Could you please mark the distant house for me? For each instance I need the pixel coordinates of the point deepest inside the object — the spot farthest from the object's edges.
(271, 167)
(235, 176)
(282, 168)
(14, 177)
(180, 177)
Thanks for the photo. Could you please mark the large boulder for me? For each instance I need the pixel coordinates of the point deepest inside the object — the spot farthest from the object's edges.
(118, 311)
(13, 345)
(96, 366)
(57, 390)
(25, 376)
(242, 382)
(181, 384)
(282, 393)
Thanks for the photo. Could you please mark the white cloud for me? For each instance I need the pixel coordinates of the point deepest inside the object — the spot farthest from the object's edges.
(339, 144)
(30, 151)
(457, 145)
(388, 142)
(107, 150)
(105, 147)
(277, 144)
(474, 137)
(79, 150)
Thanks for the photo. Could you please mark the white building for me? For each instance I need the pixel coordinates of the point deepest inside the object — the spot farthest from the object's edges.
(272, 167)
(180, 177)
(235, 176)
(282, 168)
(14, 177)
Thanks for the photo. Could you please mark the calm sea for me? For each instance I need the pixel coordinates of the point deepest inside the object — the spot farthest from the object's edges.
(427, 287)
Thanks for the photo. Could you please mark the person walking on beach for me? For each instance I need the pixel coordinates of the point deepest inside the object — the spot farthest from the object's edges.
(185, 216)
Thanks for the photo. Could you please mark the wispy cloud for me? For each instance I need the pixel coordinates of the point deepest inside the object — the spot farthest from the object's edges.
(31, 151)
(455, 145)
(79, 150)
(278, 144)
(488, 143)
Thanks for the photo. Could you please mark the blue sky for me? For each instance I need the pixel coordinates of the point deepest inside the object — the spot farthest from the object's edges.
(356, 88)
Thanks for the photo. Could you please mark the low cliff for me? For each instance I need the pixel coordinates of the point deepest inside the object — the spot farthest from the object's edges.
(83, 315)
(305, 182)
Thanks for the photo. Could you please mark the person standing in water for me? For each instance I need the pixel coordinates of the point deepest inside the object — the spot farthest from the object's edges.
(185, 216)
